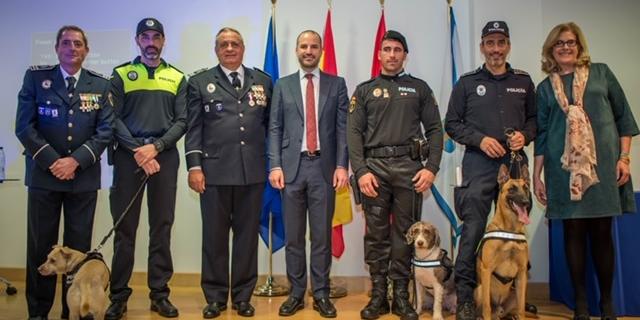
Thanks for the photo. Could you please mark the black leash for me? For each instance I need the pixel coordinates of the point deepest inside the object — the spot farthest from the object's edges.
(115, 225)
(516, 157)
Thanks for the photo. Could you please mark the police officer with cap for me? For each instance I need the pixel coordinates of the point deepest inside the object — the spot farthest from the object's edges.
(484, 104)
(387, 147)
(149, 99)
(64, 122)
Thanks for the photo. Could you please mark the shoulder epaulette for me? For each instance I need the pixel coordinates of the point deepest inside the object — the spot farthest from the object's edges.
(174, 67)
(41, 67)
(262, 71)
(472, 72)
(197, 72)
(521, 72)
(124, 64)
(98, 74)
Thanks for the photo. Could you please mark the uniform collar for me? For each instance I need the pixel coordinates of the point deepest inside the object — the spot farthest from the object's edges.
(393, 77)
(500, 76)
(139, 60)
(75, 75)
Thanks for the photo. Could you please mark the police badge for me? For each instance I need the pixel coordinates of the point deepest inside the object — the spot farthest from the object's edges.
(377, 92)
(132, 75)
(211, 87)
(46, 84)
(259, 97)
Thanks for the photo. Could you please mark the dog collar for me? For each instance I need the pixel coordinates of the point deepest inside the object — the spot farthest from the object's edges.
(425, 263)
(91, 255)
(504, 235)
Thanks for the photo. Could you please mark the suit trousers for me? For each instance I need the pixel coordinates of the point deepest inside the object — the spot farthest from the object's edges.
(43, 221)
(389, 215)
(161, 202)
(309, 192)
(225, 208)
(473, 201)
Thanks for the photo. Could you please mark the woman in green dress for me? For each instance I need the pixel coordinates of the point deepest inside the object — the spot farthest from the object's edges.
(586, 168)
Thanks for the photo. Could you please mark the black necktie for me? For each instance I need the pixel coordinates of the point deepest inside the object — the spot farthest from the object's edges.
(71, 82)
(235, 81)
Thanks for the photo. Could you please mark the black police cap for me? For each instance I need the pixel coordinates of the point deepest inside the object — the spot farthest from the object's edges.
(147, 24)
(495, 27)
(397, 36)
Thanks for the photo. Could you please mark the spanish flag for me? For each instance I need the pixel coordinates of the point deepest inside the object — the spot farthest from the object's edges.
(382, 29)
(342, 214)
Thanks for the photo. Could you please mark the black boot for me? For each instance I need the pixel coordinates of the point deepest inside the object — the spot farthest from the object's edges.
(378, 305)
(401, 305)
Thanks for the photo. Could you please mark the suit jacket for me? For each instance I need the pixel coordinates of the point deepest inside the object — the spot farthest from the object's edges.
(50, 125)
(286, 125)
(227, 128)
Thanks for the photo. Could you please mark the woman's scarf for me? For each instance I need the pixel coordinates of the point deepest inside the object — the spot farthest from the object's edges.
(579, 157)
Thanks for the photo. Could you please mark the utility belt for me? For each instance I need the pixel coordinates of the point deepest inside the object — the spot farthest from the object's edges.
(417, 150)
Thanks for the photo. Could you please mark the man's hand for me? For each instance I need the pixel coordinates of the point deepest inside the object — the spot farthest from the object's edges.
(492, 147)
(196, 180)
(276, 178)
(340, 178)
(64, 168)
(151, 167)
(368, 185)
(144, 154)
(423, 180)
(516, 141)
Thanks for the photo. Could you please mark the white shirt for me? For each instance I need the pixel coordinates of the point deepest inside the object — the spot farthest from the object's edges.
(316, 94)
(65, 75)
(240, 72)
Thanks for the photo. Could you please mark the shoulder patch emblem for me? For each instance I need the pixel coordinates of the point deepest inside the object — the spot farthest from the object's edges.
(132, 75)
(352, 104)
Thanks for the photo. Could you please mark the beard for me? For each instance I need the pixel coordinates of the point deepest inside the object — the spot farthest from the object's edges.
(151, 52)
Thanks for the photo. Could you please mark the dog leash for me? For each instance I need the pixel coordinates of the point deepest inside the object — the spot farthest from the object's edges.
(516, 157)
(143, 182)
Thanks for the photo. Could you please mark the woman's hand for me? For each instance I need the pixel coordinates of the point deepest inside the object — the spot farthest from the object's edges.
(540, 191)
(622, 172)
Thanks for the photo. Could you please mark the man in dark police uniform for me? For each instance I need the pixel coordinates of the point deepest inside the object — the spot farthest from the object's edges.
(386, 148)
(64, 123)
(484, 103)
(228, 109)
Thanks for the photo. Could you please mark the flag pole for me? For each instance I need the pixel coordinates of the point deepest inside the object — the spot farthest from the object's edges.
(271, 288)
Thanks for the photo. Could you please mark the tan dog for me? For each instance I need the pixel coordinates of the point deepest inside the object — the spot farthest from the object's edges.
(504, 254)
(432, 270)
(87, 296)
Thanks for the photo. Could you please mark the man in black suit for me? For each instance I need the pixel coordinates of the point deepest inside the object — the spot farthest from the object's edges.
(308, 162)
(228, 108)
(64, 123)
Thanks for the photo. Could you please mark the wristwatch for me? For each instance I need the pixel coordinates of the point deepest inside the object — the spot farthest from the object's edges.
(158, 145)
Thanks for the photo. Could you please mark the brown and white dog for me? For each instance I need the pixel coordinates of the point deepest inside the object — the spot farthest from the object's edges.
(503, 254)
(432, 270)
(87, 298)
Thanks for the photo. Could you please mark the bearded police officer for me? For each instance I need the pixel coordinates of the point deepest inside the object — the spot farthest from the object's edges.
(484, 104)
(225, 149)
(386, 146)
(149, 98)
(64, 123)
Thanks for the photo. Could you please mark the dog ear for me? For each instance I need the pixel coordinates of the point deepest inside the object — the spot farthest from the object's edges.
(437, 237)
(503, 174)
(65, 252)
(411, 234)
(524, 172)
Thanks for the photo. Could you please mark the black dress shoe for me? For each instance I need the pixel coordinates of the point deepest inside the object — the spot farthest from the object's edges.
(291, 306)
(213, 310)
(244, 309)
(38, 318)
(581, 317)
(164, 308)
(325, 307)
(116, 310)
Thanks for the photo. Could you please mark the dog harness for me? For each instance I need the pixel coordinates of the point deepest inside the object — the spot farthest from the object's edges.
(444, 262)
(91, 255)
(506, 236)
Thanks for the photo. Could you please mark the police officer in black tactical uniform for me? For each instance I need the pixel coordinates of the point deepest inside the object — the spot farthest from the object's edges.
(64, 122)
(149, 99)
(228, 109)
(484, 103)
(386, 146)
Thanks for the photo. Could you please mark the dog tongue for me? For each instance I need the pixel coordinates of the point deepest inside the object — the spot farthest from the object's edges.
(523, 215)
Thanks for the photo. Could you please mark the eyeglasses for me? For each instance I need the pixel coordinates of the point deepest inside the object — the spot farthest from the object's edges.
(569, 43)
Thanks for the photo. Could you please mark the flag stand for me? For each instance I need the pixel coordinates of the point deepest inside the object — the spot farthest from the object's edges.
(270, 288)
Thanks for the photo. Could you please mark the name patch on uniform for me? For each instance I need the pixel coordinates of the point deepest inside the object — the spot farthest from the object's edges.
(481, 90)
(517, 90)
(89, 101)
(257, 96)
(405, 89)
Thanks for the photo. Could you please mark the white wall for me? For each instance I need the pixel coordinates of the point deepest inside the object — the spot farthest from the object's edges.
(611, 29)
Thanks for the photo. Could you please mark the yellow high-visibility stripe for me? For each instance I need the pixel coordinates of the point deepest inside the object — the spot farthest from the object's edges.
(165, 78)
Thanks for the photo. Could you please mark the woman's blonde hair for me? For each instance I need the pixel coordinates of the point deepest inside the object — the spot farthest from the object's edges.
(549, 64)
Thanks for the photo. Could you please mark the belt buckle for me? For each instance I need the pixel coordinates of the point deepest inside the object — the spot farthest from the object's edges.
(312, 154)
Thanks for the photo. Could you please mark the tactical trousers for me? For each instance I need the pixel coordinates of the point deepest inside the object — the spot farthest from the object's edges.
(389, 215)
